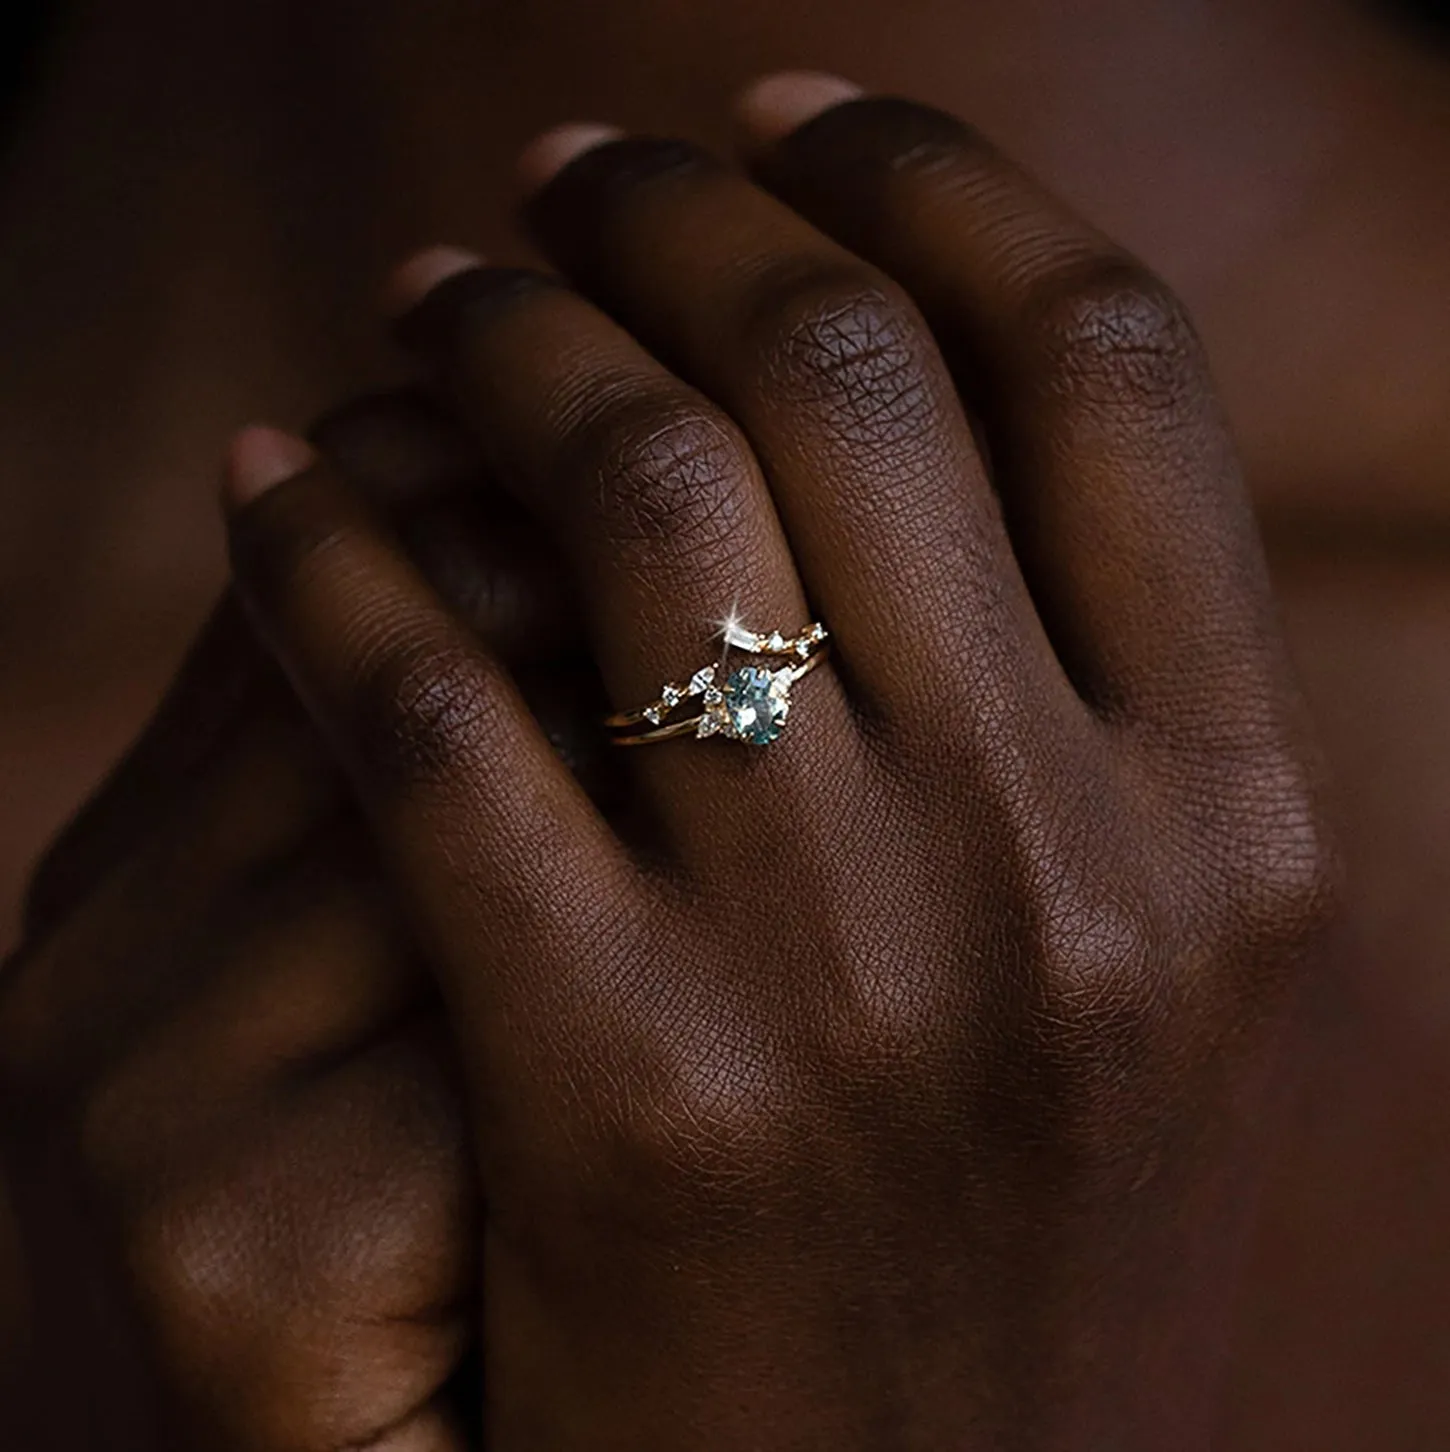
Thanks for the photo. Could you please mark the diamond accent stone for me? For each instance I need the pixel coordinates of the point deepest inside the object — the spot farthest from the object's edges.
(702, 678)
(713, 696)
(671, 696)
(708, 725)
(803, 648)
(756, 704)
(652, 714)
(775, 643)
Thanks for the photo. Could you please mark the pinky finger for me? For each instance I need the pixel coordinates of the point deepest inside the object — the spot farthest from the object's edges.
(482, 824)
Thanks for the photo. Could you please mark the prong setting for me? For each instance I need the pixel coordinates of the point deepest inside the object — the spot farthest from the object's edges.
(751, 704)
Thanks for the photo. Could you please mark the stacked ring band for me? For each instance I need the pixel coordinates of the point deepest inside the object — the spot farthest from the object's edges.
(749, 704)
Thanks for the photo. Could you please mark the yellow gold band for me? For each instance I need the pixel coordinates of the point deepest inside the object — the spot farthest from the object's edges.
(749, 704)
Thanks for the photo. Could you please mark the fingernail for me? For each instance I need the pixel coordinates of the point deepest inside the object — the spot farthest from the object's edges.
(547, 155)
(259, 459)
(774, 106)
(414, 279)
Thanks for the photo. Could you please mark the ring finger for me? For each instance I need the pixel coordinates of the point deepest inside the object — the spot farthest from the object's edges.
(653, 492)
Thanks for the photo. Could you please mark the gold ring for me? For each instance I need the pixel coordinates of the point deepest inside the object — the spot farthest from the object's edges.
(749, 704)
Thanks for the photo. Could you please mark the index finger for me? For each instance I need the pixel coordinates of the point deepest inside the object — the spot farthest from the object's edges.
(505, 865)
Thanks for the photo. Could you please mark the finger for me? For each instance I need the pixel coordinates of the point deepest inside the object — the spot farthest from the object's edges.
(653, 493)
(305, 969)
(400, 449)
(494, 844)
(244, 918)
(1118, 477)
(492, 564)
(487, 558)
(568, 702)
(432, 1429)
(659, 504)
(144, 926)
(221, 681)
(835, 380)
(317, 1292)
(500, 574)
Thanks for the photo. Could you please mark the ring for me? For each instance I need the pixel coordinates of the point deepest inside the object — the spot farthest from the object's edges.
(749, 704)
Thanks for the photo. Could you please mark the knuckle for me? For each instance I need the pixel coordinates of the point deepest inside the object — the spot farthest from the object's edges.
(423, 708)
(874, 1027)
(704, 1128)
(1115, 334)
(1098, 1028)
(191, 1258)
(226, 1315)
(1284, 875)
(1087, 927)
(890, 1014)
(849, 343)
(1100, 957)
(665, 468)
(229, 1314)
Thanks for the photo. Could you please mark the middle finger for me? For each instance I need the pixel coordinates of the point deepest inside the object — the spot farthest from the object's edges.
(652, 491)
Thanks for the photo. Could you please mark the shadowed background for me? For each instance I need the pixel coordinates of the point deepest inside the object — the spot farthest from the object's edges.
(196, 205)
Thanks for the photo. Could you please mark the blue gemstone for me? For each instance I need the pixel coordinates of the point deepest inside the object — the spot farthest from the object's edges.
(756, 703)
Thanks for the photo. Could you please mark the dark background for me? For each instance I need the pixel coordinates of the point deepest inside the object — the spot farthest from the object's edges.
(198, 200)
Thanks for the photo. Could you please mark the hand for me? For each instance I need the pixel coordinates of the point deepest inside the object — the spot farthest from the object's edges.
(232, 1117)
(891, 1086)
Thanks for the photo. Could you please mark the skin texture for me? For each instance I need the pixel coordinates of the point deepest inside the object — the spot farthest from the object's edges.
(890, 1088)
(1279, 161)
(233, 1110)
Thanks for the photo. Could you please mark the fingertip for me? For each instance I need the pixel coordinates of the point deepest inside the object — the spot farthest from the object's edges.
(411, 281)
(548, 154)
(771, 108)
(258, 459)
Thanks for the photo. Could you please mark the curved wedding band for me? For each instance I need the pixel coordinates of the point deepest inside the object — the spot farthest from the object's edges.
(749, 704)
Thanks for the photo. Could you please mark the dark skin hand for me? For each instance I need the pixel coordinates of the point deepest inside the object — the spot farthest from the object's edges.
(339, 1111)
(235, 1124)
(890, 1087)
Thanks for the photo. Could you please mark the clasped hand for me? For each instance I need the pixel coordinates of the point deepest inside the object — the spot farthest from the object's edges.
(891, 1085)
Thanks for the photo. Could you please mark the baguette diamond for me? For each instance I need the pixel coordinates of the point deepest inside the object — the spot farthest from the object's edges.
(749, 704)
